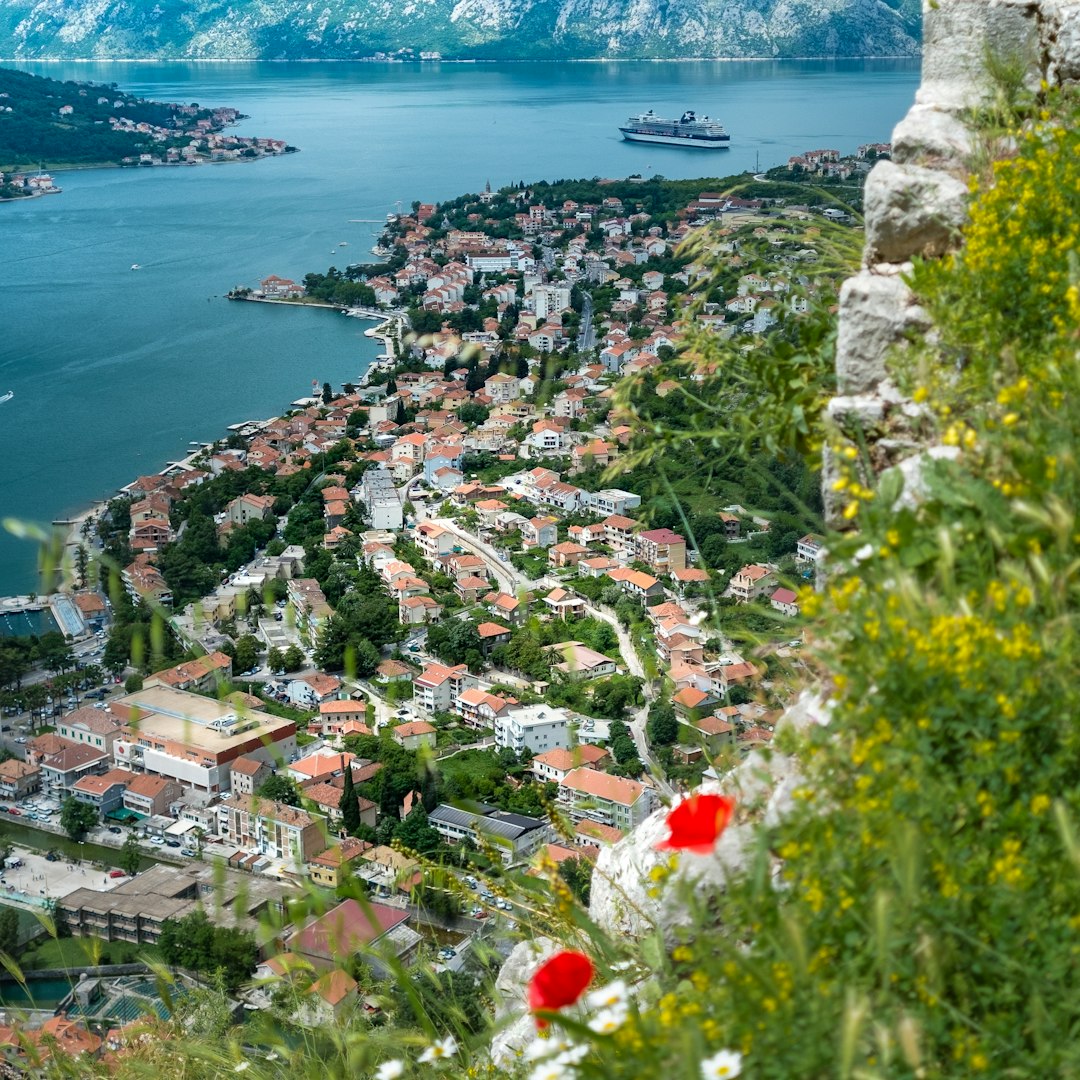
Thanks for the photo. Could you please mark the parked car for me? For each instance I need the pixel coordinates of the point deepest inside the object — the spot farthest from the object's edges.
(157, 839)
(172, 843)
(115, 830)
(14, 812)
(21, 739)
(117, 873)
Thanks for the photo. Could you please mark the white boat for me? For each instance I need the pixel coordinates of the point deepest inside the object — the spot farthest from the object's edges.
(688, 130)
(135, 266)
(343, 243)
(7, 397)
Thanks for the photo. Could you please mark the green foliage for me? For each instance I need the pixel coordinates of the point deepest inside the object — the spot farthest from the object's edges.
(130, 858)
(77, 818)
(9, 931)
(196, 943)
(280, 788)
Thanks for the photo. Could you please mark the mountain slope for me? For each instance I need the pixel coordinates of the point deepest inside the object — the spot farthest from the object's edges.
(478, 29)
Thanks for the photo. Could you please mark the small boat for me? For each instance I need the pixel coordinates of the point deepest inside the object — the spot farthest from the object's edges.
(135, 266)
(7, 397)
(343, 243)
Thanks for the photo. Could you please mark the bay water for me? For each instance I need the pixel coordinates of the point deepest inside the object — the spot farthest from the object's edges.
(115, 371)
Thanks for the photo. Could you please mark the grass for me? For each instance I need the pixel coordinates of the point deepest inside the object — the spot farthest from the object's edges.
(473, 766)
(76, 952)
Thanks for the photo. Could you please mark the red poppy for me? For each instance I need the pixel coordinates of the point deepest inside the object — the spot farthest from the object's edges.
(559, 982)
(696, 823)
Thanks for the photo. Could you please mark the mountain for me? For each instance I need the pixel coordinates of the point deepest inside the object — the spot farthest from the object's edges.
(457, 29)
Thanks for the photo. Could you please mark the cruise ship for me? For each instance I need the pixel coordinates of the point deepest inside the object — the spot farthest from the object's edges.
(688, 130)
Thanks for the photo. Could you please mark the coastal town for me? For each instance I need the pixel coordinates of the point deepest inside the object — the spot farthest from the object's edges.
(53, 124)
(436, 625)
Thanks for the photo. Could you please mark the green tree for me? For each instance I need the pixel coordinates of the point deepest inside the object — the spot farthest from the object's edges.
(349, 805)
(577, 873)
(133, 683)
(247, 653)
(9, 931)
(130, 857)
(417, 834)
(293, 659)
(280, 788)
(275, 660)
(77, 818)
(663, 724)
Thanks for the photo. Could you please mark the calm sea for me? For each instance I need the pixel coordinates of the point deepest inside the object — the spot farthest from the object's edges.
(115, 371)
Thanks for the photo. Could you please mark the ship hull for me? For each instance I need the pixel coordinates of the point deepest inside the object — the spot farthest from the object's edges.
(699, 142)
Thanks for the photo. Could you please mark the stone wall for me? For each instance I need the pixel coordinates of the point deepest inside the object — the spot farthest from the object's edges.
(915, 204)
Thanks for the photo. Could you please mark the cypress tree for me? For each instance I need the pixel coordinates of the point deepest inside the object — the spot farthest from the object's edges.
(349, 804)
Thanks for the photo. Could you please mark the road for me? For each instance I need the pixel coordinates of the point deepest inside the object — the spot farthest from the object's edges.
(514, 582)
(586, 335)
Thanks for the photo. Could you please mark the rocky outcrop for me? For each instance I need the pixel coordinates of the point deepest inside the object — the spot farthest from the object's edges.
(915, 206)
(475, 29)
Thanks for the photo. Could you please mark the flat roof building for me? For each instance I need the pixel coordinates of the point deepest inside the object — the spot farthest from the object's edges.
(194, 739)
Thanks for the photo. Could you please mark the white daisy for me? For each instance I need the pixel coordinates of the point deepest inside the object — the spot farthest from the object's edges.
(390, 1070)
(722, 1066)
(573, 1055)
(542, 1048)
(439, 1050)
(612, 996)
(608, 1021)
(551, 1070)
(243, 1066)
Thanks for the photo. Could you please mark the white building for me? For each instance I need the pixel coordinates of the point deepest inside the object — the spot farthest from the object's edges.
(538, 728)
(382, 499)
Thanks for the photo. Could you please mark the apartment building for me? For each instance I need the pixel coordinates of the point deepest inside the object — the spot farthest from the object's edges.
(437, 688)
(610, 800)
(662, 550)
(538, 728)
(272, 828)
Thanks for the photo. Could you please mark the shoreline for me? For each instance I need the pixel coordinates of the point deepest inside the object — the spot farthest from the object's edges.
(445, 60)
(136, 168)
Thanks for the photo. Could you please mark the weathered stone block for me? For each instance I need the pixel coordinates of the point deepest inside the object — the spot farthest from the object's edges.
(1059, 34)
(932, 137)
(911, 211)
(959, 35)
(876, 313)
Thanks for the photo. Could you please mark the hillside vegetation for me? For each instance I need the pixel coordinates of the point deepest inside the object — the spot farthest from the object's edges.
(478, 29)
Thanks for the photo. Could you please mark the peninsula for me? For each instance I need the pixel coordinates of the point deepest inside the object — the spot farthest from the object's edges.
(49, 124)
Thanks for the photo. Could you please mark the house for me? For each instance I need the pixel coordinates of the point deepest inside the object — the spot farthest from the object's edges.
(586, 534)
(18, 779)
(539, 532)
(641, 586)
(310, 607)
(570, 403)
(716, 732)
(337, 711)
(350, 928)
(415, 736)
(327, 797)
(418, 610)
(609, 800)
(538, 728)
(200, 676)
(690, 701)
(437, 688)
(248, 774)
(60, 772)
(245, 508)
(151, 796)
(492, 635)
(555, 765)
(731, 525)
(471, 588)
(809, 549)
(509, 608)
(567, 553)
(619, 531)
(514, 837)
(328, 999)
(389, 872)
(105, 792)
(324, 764)
(478, 708)
(95, 728)
(580, 662)
(330, 868)
(394, 671)
(308, 691)
(564, 605)
(433, 540)
(662, 550)
(750, 582)
(785, 601)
